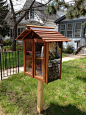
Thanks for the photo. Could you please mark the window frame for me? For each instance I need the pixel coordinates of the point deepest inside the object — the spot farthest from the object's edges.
(77, 29)
(70, 30)
(30, 14)
(62, 30)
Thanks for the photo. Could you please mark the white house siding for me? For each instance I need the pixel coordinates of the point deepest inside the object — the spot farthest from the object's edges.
(50, 23)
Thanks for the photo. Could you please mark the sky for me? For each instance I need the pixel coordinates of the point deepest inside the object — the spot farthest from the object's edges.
(18, 4)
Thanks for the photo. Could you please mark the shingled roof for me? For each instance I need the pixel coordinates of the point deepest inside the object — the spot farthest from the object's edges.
(47, 34)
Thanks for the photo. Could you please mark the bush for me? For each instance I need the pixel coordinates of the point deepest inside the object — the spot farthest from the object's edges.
(8, 43)
(10, 48)
(7, 47)
(68, 50)
(19, 48)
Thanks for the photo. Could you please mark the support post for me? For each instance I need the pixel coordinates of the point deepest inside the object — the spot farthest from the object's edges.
(40, 89)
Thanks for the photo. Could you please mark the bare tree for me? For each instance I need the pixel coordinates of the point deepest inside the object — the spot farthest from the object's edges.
(16, 20)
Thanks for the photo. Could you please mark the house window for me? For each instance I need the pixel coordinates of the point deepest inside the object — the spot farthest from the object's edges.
(22, 29)
(32, 14)
(62, 29)
(11, 34)
(18, 31)
(29, 14)
(70, 30)
(78, 29)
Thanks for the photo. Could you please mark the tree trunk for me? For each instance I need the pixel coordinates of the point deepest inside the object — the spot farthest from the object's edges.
(15, 36)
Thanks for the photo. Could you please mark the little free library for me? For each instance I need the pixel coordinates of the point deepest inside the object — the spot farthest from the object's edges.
(42, 52)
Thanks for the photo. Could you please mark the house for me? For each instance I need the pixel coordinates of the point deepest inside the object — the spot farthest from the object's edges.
(36, 16)
(72, 29)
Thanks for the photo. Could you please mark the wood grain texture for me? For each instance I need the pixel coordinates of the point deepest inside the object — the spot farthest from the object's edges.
(40, 90)
(35, 26)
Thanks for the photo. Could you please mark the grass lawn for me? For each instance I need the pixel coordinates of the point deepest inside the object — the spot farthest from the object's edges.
(12, 61)
(18, 94)
(63, 55)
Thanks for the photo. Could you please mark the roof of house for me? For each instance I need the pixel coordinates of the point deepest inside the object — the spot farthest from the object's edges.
(60, 19)
(40, 11)
(47, 34)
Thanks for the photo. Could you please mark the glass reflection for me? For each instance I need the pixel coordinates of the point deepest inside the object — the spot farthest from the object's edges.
(39, 59)
(54, 61)
(29, 57)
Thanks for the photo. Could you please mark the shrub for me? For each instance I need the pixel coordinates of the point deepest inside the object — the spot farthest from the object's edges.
(7, 47)
(19, 48)
(8, 43)
(68, 49)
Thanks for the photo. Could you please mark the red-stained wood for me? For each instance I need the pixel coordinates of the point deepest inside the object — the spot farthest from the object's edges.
(34, 58)
(42, 78)
(23, 34)
(52, 37)
(40, 58)
(35, 26)
(47, 55)
(26, 34)
(44, 31)
(47, 34)
(44, 62)
(39, 78)
(61, 60)
(24, 55)
(26, 73)
(28, 40)
(57, 40)
(38, 40)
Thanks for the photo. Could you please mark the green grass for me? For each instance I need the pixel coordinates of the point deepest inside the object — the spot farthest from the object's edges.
(18, 94)
(12, 62)
(63, 55)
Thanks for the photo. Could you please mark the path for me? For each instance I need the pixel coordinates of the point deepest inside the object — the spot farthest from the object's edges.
(72, 57)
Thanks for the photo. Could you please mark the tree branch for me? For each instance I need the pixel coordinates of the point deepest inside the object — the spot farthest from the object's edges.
(25, 13)
(32, 7)
(14, 16)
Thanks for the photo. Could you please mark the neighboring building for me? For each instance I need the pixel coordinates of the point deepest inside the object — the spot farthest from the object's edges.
(35, 16)
(72, 29)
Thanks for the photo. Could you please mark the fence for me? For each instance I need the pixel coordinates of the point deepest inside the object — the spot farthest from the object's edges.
(9, 63)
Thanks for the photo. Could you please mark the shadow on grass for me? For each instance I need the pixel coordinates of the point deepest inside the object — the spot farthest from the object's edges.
(55, 109)
(81, 78)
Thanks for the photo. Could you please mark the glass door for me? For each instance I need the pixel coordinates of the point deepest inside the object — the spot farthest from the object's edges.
(39, 60)
(54, 61)
(29, 57)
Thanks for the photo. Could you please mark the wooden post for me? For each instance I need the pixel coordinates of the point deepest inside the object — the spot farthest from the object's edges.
(40, 89)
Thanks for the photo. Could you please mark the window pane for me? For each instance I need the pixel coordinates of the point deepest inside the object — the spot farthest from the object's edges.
(54, 61)
(62, 26)
(69, 33)
(78, 26)
(32, 13)
(18, 31)
(77, 33)
(29, 57)
(22, 29)
(11, 32)
(39, 59)
(69, 26)
(63, 33)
